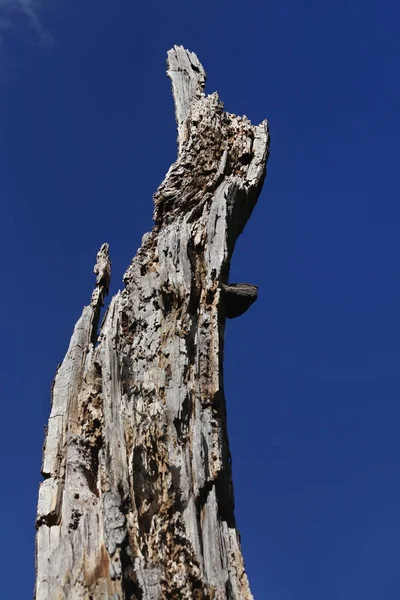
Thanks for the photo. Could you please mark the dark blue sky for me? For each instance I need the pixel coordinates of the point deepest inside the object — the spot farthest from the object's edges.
(312, 371)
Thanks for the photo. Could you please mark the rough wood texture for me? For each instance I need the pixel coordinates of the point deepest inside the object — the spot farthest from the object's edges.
(137, 499)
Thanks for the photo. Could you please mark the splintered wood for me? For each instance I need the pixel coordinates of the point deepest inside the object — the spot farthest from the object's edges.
(137, 499)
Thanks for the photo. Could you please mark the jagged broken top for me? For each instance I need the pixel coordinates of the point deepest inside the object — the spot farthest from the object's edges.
(215, 149)
(188, 79)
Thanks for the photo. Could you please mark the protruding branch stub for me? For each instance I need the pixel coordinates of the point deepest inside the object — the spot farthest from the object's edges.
(188, 79)
(237, 298)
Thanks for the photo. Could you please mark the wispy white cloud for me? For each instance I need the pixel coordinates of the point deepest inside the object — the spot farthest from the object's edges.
(27, 8)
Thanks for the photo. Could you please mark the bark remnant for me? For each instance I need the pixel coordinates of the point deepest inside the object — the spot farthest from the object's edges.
(137, 499)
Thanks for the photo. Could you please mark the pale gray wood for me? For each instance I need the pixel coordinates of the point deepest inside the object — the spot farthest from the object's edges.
(137, 499)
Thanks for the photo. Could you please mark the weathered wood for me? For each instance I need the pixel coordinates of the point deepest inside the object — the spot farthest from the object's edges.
(137, 499)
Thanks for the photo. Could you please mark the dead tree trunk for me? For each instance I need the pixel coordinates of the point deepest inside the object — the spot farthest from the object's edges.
(137, 499)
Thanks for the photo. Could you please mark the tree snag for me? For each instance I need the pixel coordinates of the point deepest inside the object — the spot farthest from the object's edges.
(137, 499)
